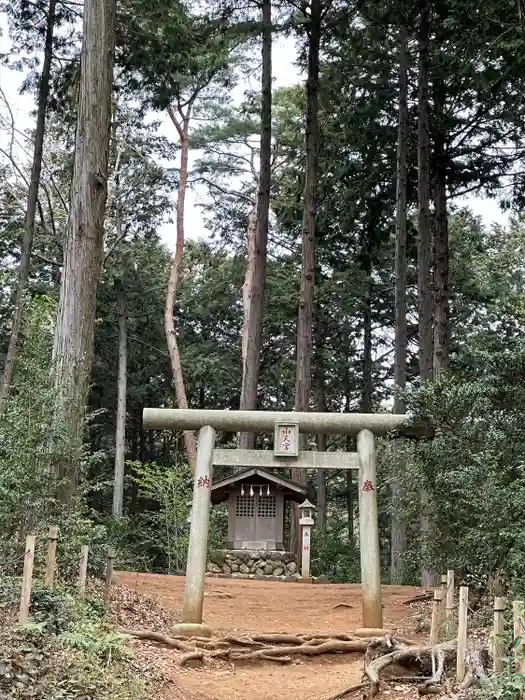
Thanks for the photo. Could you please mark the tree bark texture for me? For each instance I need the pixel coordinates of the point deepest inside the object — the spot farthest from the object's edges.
(248, 282)
(306, 295)
(252, 361)
(397, 526)
(441, 243)
(424, 242)
(73, 346)
(120, 441)
(320, 376)
(32, 201)
(423, 185)
(350, 505)
(182, 126)
(367, 386)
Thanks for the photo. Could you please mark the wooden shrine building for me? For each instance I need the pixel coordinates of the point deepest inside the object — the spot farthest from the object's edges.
(256, 507)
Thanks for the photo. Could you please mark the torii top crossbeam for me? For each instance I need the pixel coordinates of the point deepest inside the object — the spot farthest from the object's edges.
(264, 421)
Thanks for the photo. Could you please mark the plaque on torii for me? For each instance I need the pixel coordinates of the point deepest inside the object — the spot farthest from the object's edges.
(286, 440)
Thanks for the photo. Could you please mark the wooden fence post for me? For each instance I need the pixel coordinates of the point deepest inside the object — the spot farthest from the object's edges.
(519, 635)
(436, 615)
(109, 575)
(449, 605)
(84, 555)
(27, 579)
(51, 555)
(498, 643)
(462, 633)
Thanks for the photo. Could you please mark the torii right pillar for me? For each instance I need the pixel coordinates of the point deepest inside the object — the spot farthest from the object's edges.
(369, 532)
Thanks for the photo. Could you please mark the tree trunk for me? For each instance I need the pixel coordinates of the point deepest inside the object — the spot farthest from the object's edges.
(424, 241)
(182, 127)
(350, 505)
(322, 475)
(306, 298)
(367, 389)
(252, 361)
(321, 487)
(32, 201)
(397, 526)
(349, 446)
(120, 442)
(424, 237)
(441, 251)
(73, 346)
(248, 284)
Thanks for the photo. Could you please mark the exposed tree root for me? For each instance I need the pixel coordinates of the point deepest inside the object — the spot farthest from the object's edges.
(347, 691)
(476, 675)
(380, 653)
(430, 687)
(191, 656)
(402, 656)
(161, 638)
(278, 647)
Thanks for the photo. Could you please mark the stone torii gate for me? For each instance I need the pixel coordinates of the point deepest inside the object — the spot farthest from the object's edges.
(286, 454)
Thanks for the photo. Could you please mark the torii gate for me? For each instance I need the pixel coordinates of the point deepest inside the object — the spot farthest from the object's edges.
(287, 426)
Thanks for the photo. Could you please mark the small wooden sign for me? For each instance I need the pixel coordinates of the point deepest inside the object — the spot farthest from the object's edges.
(286, 440)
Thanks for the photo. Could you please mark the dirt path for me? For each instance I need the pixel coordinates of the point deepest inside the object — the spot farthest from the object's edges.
(256, 606)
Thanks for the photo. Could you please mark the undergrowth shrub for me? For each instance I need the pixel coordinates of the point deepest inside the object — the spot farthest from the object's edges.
(68, 650)
(474, 474)
(333, 555)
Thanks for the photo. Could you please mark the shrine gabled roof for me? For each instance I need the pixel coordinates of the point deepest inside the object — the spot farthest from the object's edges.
(251, 475)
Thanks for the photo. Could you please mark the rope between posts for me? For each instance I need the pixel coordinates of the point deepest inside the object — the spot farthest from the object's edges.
(15, 559)
(477, 614)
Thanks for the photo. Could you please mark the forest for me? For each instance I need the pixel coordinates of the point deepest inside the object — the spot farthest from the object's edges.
(339, 269)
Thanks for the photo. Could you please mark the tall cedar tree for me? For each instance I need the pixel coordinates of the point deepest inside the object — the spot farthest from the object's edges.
(32, 201)
(424, 237)
(321, 332)
(441, 247)
(398, 533)
(73, 345)
(257, 244)
(120, 439)
(306, 294)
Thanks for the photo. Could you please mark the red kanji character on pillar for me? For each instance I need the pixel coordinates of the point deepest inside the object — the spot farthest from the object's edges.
(204, 482)
(367, 485)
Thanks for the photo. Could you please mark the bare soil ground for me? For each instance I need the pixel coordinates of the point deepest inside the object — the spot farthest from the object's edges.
(256, 606)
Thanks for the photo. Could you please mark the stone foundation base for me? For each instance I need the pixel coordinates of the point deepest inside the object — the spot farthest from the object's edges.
(245, 563)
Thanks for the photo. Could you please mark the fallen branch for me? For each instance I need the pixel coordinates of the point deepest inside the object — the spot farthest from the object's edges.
(420, 598)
